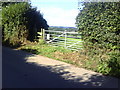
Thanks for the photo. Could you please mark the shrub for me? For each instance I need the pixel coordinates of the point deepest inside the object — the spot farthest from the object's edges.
(99, 24)
(21, 21)
(13, 22)
(111, 66)
(114, 63)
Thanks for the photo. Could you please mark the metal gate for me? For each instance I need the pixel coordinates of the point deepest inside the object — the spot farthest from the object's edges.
(67, 39)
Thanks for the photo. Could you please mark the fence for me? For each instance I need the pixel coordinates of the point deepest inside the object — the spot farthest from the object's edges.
(67, 39)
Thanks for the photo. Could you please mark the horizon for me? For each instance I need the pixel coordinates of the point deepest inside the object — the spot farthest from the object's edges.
(63, 26)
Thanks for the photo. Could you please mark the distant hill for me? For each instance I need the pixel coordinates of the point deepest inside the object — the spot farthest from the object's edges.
(62, 28)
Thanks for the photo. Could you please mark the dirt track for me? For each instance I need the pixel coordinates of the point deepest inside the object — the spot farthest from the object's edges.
(25, 70)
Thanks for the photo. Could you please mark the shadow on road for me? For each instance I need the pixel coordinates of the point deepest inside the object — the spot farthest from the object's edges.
(17, 73)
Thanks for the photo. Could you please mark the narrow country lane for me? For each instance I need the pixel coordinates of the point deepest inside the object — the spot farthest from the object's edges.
(18, 73)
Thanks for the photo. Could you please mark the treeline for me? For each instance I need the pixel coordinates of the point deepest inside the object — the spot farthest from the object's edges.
(59, 28)
(20, 22)
(99, 24)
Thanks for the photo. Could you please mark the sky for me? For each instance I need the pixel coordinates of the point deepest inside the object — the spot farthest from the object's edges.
(58, 12)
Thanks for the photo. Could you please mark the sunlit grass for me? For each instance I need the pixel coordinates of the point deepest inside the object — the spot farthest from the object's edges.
(49, 51)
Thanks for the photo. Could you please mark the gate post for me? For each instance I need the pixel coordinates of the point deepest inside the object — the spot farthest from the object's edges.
(43, 34)
(48, 36)
(65, 45)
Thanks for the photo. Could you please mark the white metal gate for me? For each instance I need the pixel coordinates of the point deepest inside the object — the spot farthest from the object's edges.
(69, 40)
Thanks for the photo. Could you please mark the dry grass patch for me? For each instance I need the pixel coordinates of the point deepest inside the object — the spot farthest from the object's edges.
(70, 56)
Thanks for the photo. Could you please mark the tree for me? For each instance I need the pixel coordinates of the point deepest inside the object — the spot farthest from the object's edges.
(35, 23)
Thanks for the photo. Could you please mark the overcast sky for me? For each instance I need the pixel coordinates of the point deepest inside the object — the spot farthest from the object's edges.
(58, 12)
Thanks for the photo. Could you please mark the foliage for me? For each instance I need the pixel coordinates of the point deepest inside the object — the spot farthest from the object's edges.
(0, 17)
(35, 23)
(13, 22)
(21, 22)
(5, 4)
(99, 24)
(112, 66)
(103, 68)
(114, 63)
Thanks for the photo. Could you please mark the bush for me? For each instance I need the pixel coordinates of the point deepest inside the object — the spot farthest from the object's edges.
(99, 24)
(114, 63)
(21, 22)
(13, 22)
(111, 66)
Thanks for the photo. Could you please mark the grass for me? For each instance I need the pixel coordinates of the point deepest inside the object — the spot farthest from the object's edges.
(74, 39)
(58, 53)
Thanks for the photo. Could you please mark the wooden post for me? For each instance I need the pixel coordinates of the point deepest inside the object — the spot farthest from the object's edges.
(48, 36)
(65, 40)
(43, 34)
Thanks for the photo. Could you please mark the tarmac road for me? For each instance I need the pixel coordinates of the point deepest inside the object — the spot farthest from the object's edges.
(25, 70)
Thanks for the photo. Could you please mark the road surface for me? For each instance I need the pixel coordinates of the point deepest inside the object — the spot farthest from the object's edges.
(25, 70)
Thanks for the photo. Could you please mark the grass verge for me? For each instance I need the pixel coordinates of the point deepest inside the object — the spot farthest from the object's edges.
(58, 53)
